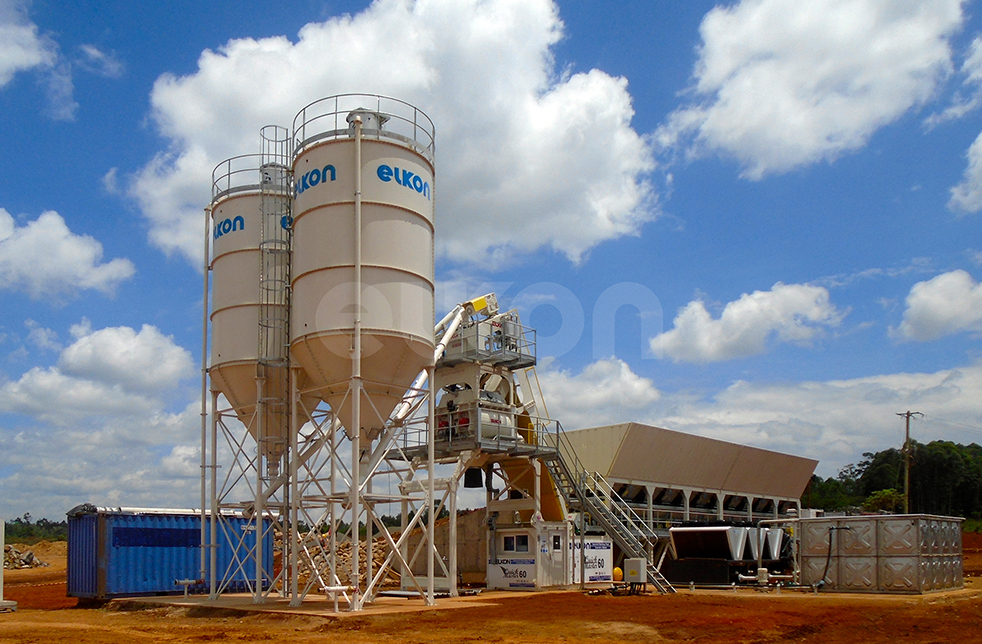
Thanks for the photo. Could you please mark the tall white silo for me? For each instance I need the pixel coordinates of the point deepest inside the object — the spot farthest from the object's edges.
(236, 209)
(241, 308)
(389, 258)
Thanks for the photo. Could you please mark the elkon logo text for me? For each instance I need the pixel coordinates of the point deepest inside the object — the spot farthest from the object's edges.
(404, 178)
(229, 225)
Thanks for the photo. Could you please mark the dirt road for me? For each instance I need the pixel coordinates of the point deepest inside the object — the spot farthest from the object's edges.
(569, 617)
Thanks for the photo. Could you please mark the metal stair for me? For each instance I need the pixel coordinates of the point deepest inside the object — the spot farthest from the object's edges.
(591, 493)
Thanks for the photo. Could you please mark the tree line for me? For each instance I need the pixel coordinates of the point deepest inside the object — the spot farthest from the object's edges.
(945, 479)
(26, 530)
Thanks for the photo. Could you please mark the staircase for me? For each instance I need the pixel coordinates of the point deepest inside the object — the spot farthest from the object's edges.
(591, 493)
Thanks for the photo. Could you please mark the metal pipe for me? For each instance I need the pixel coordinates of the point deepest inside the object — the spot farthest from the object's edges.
(294, 491)
(204, 394)
(257, 592)
(403, 410)
(212, 545)
(356, 385)
(430, 487)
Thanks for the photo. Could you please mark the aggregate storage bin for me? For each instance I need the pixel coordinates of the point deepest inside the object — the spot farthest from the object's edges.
(121, 552)
(894, 553)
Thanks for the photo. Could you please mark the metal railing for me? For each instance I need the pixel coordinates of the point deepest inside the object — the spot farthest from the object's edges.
(451, 433)
(595, 496)
(236, 174)
(326, 118)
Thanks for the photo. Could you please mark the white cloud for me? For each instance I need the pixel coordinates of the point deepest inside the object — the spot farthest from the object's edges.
(962, 104)
(789, 312)
(780, 84)
(833, 421)
(947, 304)
(604, 392)
(21, 46)
(42, 337)
(130, 458)
(96, 427)
(24, 48)
(967, 195)
(527, 157)
(144, 361)
(58, 399)
(98, 62)
(106, 373)
(46, 260)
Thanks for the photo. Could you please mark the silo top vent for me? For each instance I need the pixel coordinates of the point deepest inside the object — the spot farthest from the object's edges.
(369, 120)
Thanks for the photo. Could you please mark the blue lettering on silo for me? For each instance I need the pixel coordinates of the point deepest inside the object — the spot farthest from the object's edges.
(315, 177)
(228, 226)
(404, 178)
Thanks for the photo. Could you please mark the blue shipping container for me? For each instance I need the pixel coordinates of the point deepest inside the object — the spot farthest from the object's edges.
(116, 552)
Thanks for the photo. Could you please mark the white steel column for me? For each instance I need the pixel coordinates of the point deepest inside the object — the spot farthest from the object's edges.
(213, 540)
(430, 490)
(294, 490)
(203, 570)
(4, 605)
(356, 386)
(258, 507)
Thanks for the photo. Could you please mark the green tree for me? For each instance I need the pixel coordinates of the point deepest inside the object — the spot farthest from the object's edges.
(884, 500)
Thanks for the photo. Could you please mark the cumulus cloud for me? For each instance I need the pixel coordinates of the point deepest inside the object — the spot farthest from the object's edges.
(42, 337)
(140, 361)
(22, 47)
(787, 312)
(947, 304)
(602, 393)
(47, 260)
(780, 84)
(833, 421)
(528, 157)
(110, 371)
(96, 427)
(967, 195)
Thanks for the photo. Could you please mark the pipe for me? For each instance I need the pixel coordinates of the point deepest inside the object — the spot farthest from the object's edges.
(356, 385)
(213, 554)
(430, 490)
(403, 410)
(204, 392)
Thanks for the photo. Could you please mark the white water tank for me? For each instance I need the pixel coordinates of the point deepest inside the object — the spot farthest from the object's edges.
(397, 251)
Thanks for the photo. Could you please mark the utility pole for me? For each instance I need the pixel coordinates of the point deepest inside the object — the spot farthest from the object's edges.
(907, 415)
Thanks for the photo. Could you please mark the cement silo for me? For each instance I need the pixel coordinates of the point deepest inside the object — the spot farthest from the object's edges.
(248, 305)
(236, 234)
(363, 252)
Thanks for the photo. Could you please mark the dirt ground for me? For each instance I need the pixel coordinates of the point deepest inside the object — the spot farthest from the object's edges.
(45, 615)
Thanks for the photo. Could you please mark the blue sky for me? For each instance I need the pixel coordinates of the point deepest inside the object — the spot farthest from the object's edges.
(757, 221)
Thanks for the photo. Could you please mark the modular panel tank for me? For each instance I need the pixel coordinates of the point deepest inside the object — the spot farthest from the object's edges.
(396, 251)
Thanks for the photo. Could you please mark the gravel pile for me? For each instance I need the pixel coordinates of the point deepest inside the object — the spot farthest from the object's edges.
(14, 559)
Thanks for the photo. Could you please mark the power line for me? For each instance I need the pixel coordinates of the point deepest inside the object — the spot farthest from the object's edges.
(954, 424)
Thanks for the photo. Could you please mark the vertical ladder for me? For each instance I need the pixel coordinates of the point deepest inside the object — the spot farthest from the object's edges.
(274, 294)
(590, 492)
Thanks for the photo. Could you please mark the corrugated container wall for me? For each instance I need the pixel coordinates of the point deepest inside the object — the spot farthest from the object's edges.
(118, 553)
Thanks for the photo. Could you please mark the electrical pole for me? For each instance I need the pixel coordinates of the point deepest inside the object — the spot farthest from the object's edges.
(907, 415)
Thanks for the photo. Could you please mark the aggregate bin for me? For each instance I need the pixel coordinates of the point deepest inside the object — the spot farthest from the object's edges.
(121, 552)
